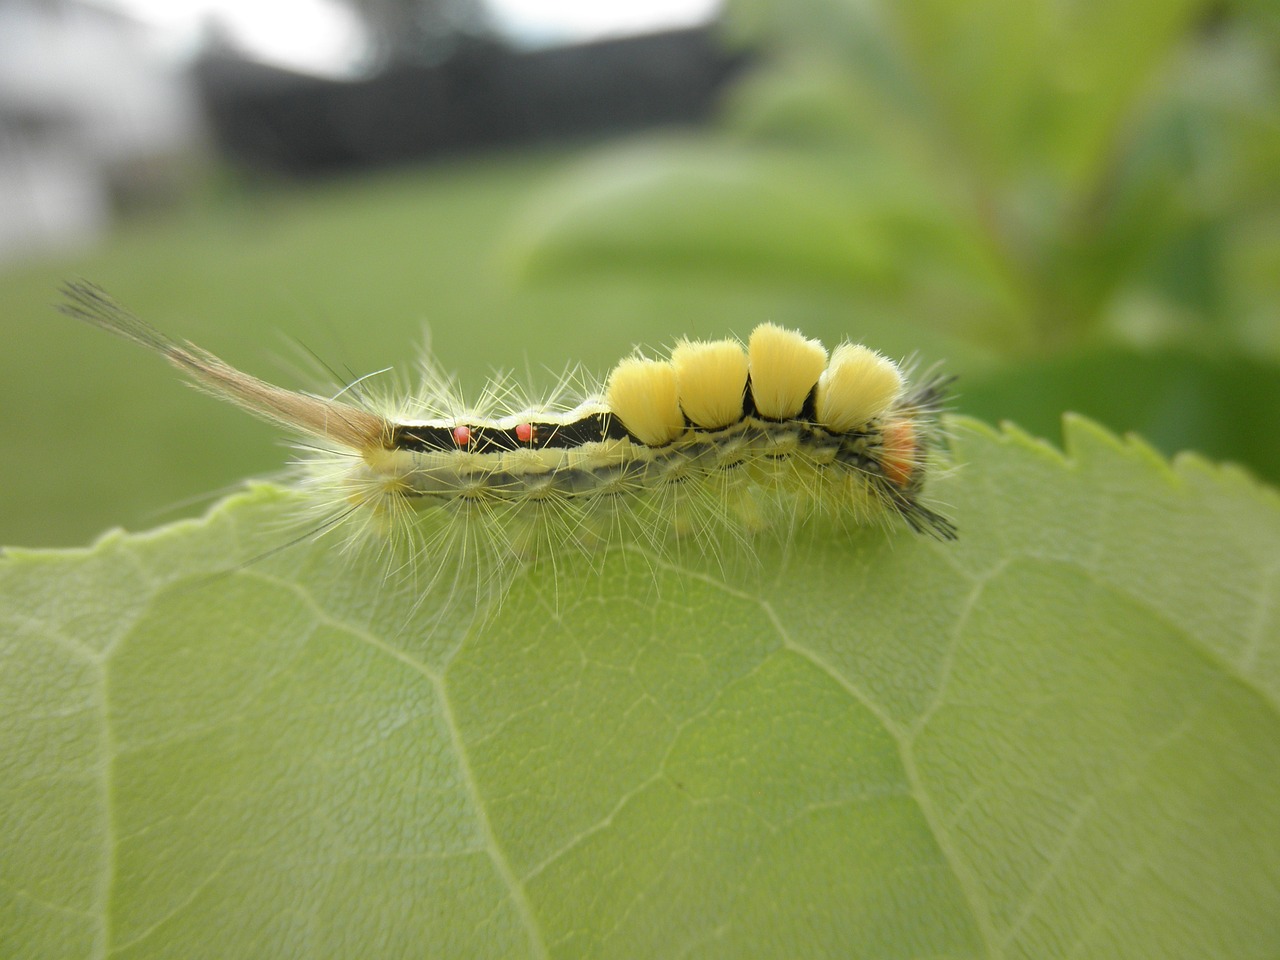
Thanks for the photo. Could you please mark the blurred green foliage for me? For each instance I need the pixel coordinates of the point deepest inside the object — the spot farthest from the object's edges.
(1085, 193)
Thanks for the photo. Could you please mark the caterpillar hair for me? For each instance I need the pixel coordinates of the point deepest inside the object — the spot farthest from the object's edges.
(718, 438)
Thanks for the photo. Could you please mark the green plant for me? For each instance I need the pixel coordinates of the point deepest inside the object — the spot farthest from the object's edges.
(1033, 742)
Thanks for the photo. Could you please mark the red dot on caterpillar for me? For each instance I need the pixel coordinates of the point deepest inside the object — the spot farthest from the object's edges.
(525, 432)
(462, 435)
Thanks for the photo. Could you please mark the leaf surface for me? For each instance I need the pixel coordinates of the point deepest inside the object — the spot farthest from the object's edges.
(1058, 736)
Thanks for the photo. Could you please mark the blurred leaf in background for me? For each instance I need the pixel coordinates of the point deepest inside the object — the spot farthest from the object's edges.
(1075, 203)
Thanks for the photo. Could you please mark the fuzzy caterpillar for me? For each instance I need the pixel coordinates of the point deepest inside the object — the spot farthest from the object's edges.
(719, 438)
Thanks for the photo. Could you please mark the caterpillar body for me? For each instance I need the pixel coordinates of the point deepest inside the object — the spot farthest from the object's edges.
(719, 437)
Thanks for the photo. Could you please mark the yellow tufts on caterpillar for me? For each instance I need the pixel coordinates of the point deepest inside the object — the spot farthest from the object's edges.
(642, 394)
(712, 381)
(717, 440)
(784, 367)
(857, 386)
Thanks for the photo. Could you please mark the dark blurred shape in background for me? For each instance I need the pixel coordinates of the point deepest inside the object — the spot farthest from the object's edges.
(119, 105)
(483, 93)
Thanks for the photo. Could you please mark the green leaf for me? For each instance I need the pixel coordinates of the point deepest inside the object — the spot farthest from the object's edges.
(1058, 736)
(867, 228)
(672, 207)
(1225, 407)
(1018, 174)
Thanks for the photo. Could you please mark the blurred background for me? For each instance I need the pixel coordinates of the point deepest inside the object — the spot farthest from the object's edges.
(1074, 205)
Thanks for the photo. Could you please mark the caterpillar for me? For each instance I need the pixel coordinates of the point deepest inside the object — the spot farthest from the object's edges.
(720, 437)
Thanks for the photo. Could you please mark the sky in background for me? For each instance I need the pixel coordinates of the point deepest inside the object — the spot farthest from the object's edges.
(323, 36)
